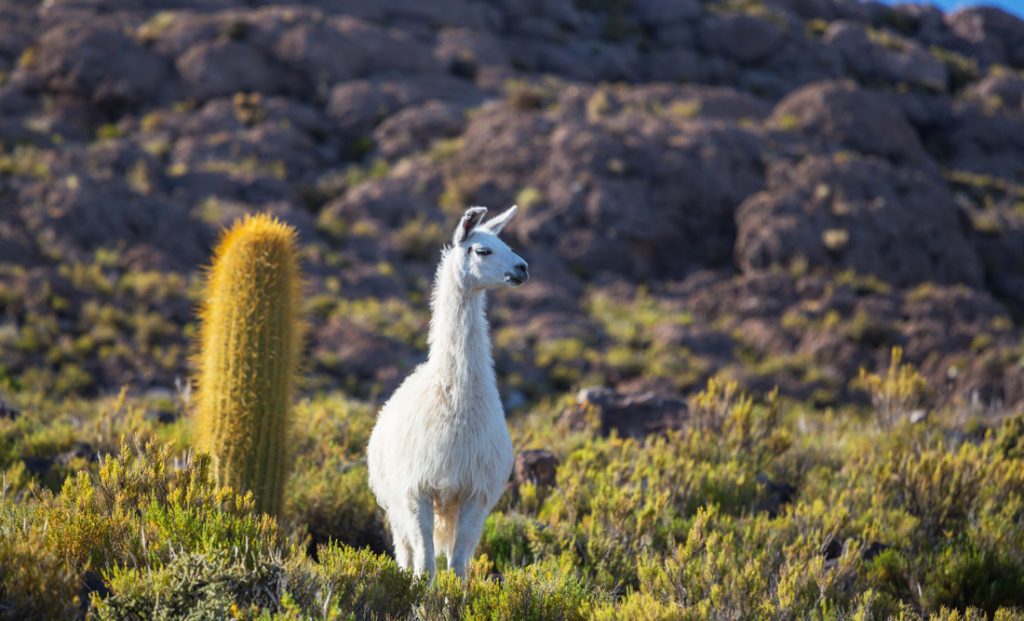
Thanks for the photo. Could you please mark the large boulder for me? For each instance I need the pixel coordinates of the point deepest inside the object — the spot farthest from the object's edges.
(359, 105)
(627, 414)
(657, 203)
(682, 64)
(215, 68)
(989, 145)
(536, 466)
(407, 193)
(81, 215)
(249, 137)
(843, 212)
(842, 116)
(995, 31)
(743, 38)
(1001, 91)
(99, 64)
(893, 59)
(415, 128)
(321, 52)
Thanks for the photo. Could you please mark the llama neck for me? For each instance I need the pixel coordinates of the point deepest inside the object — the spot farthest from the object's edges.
(460, 346)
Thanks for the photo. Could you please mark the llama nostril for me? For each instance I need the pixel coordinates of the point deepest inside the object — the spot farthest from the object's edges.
(521, 267)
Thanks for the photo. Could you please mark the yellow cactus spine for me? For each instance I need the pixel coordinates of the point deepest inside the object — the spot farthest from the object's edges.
(251, 337)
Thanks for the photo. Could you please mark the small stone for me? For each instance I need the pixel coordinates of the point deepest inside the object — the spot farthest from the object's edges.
(832, 550)
(632, 414)
(537, 466)
(38, 466)
(92, 582)
(8, 411)
(776, 495)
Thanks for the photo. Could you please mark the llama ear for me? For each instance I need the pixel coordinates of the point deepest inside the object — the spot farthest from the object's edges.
(469, 222)
(498, 222)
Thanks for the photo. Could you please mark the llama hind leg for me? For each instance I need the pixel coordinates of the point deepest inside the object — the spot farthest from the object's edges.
(403, 549)
(399, 522)
(467, 535)
(445, 519)
(420, 535)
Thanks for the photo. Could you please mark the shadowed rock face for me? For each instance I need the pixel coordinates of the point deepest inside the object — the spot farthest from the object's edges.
(798, 187)
(628, 415)
(900, 225)
(536, 466)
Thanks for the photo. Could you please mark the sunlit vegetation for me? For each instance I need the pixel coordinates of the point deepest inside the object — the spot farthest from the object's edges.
(749, 511)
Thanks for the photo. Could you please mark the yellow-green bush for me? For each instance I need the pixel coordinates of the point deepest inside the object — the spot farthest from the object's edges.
(328, 491)
(754, 509)
(350, 583)
(139, 511)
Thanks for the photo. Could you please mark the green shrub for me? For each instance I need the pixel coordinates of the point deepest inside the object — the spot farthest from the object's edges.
(895, 393)
(754, 509)
(139, 511)
(328, 491)
(210, 586)
(540, 592)
(983, 578)
(36, 582)
(745, 569)
(506, 540)
(349, 583)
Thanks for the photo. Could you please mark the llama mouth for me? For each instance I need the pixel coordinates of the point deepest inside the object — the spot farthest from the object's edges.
(515, 281)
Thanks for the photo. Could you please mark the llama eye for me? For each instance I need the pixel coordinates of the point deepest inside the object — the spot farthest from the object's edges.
(483, 252)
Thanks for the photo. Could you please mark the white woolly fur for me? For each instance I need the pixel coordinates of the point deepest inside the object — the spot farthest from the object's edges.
(440, 453)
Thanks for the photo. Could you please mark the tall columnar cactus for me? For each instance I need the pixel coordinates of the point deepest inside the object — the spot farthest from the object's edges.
(249, 357)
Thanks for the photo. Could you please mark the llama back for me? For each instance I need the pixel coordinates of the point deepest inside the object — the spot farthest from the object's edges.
(424, 443)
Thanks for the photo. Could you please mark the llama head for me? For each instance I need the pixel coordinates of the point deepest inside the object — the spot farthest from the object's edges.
(486, 262)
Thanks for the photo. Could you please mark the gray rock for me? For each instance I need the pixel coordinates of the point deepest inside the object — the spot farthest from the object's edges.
(677, 64)
(472, 46)
(415, 128)
(743, 38)
(537, 466)
(98, 64)
(321, 52)
(897, 60)
(218, 68)
(358, 106)
(994, 30)
(628, 414)
(844, 116)
(1000, 92)
(861, 214)
(659, 13)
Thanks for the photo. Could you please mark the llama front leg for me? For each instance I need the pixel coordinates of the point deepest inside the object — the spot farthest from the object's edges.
(467, 534)
(421, 536)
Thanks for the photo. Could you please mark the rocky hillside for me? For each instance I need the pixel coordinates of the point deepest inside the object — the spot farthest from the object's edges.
(779, 190)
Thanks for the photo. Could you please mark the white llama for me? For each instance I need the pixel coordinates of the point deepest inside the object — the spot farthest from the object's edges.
(440, 454)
